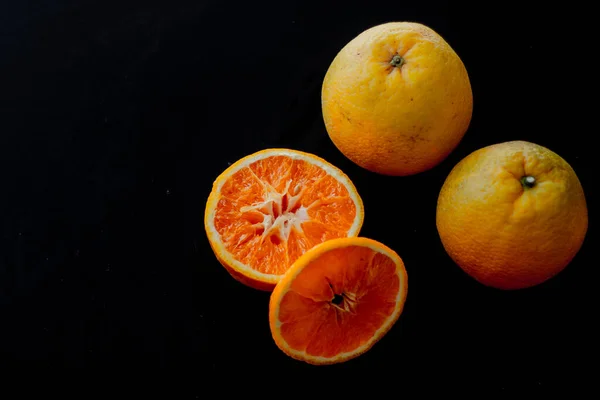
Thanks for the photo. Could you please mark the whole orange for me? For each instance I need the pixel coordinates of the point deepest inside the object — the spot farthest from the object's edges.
(397, 99)
(512, 215)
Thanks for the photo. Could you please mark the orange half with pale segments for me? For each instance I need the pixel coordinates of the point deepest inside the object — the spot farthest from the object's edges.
(270, 207)
(338, 300)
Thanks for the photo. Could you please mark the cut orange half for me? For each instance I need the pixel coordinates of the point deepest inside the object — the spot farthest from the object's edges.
(338, 300)
(270, 207)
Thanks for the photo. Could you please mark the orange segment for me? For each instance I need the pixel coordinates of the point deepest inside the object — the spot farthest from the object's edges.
(270, 207)
(337, 300)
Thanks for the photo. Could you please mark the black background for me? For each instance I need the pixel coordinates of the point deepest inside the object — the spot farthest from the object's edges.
(117, 117)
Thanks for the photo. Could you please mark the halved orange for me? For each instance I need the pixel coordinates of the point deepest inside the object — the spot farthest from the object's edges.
(337, 300)
(270, 207)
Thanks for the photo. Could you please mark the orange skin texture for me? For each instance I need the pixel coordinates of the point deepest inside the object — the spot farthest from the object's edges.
(314, 285)
(502, 233)
(243, 279)
(397, 120)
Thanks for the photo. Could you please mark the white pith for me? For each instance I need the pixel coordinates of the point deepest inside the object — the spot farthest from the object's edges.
(276, 219)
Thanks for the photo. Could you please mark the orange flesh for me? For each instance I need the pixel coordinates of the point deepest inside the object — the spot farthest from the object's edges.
(338, 301)
(275, 209)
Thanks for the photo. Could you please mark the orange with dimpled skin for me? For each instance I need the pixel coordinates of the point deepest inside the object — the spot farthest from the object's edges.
(397, 99)
(512, 215)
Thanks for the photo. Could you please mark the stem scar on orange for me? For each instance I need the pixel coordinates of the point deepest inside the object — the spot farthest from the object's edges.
(337, 300)
(512, 215)
(270, 207)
